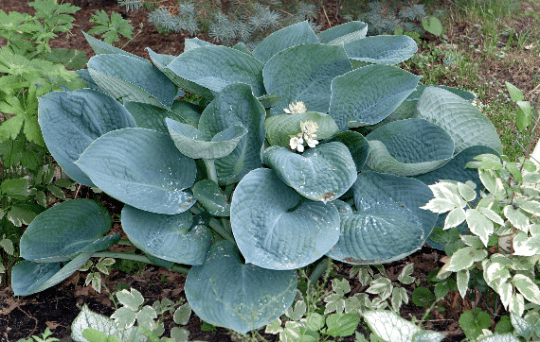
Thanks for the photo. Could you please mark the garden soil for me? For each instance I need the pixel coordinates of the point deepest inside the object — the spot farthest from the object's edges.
(56, 308)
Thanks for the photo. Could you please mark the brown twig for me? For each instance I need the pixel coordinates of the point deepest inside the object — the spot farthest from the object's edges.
(326, 16)
(31, 317)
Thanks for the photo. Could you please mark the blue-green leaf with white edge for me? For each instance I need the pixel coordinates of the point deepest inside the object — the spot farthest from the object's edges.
(29, 277)
(464, 122)
(278, 229)
(152, 117)
(65, 230)
(387, 50)
(304, 73)
(196, 144)
(242, 297)
(368, 95)
(344, 33)
(387, 224)
(70, 121)
(215, 67)
(409, 147)
(142, 168)
(132, 79)
(323, 173)
(177, 238)
(236, 106)
(280, 40)
(455, 170)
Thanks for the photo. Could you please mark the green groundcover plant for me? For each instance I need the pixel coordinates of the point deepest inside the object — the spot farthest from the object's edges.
(311, 145)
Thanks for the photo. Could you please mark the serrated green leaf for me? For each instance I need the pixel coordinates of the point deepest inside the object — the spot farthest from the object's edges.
(472, 322)
(146, 318)
(422, 297)
(405, 275)
(389, 326)
(454, 218)
(516, 216)
(296, 311)
(124, 317)
(464, 258)
(7, 245)
(132, 299)
(342, 324)
(479, 225)
(182, 314)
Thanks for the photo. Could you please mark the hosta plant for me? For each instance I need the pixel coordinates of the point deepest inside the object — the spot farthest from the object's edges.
(267, 174)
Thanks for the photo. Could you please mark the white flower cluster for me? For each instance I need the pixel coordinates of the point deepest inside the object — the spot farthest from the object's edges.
(309, 128)
(296, 108)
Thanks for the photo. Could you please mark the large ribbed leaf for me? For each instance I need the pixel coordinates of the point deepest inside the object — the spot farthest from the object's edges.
(409, 147)
(65, 230)
(70, 121)
(304, 73)
(193, 43)
(211, 197)
(177, 238)
(344, 33)
(356, 143)
(196, 144)
(464, 122)
(162, 61)
(236, 106)
(323, 173)
(279, 128)
(215, 67)
(29, 277)
(152, 117)
(285, 38)
(100, 47)
(142, 168)
(243, 297)
(455, 170)
(367, 95)
(387, 224)
(275, 227)
(132, 79)
(387, 50)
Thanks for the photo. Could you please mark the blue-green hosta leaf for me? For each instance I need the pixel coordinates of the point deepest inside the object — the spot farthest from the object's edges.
(236, 106)
(152, 117)
(390, 327)
(279, 128)
(387, 224)
(215, 67)
(29, 277)
(287, 37)
(193, 43)
(323, 173)
(464, 122)
(367, 95)
(269, 100)
(65, 230)
(275, 227)
(455, 170)
(198, 145)
(176, 238)
(304, 73)
(409, 147)
(243, 297)
(142, 168)
(344, 33)
(70, 121)
(85, 75)
(387, 50)
(101, 48)
(356, 143)
(162, 63)
(132, 79)
(212, 198)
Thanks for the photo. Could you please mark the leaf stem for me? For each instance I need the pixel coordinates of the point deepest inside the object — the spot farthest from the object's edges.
(321, 267)
(216, 226)
(211, 170)
(135, 257)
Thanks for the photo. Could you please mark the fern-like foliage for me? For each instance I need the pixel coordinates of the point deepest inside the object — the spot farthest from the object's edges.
(246, 21)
